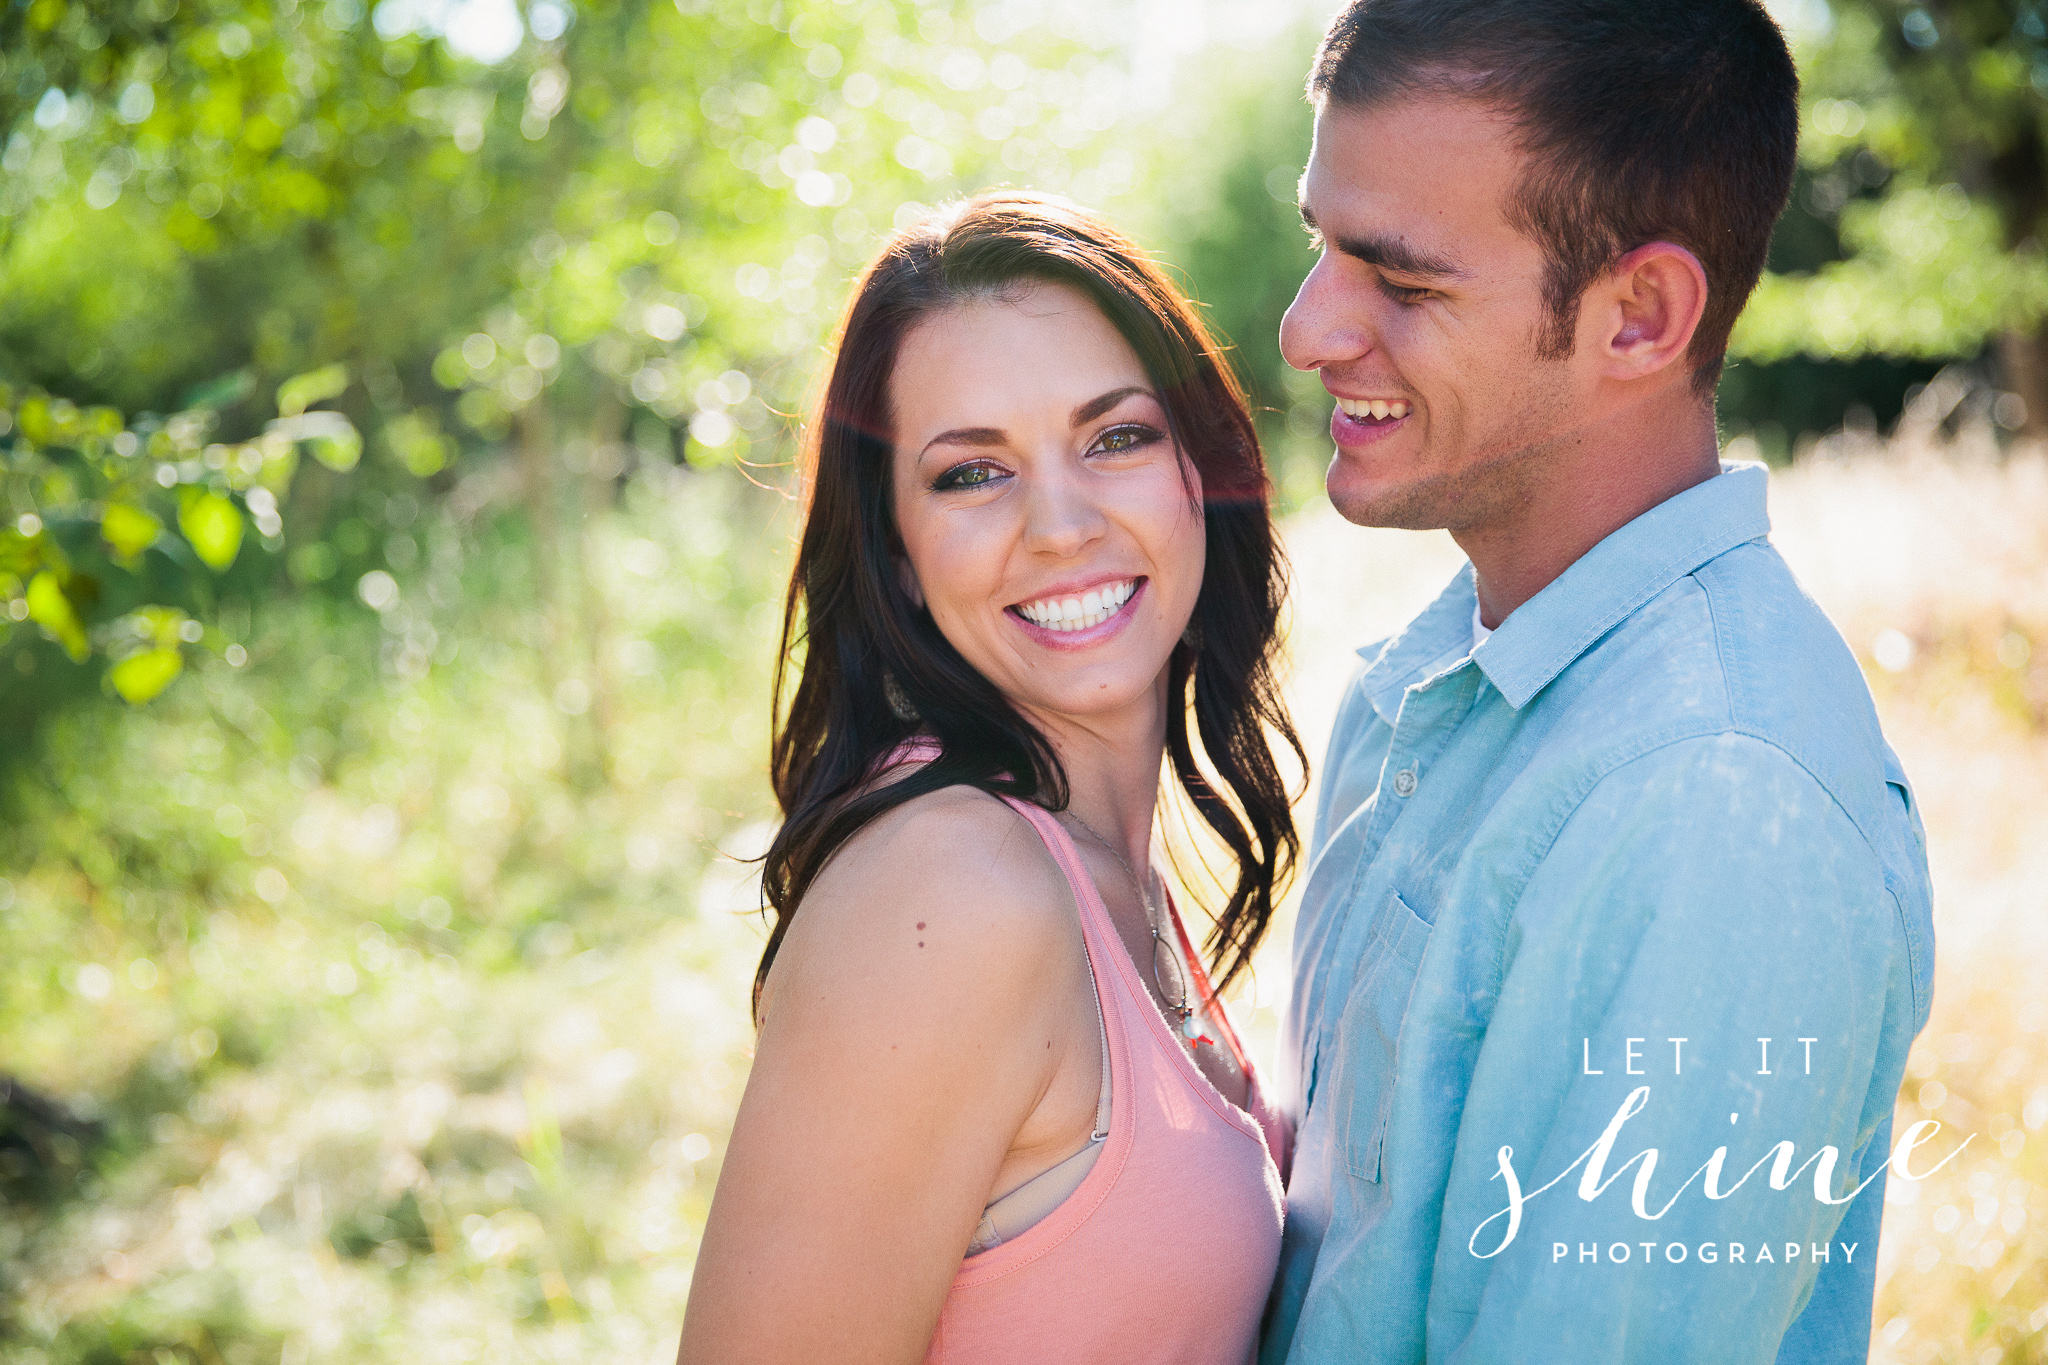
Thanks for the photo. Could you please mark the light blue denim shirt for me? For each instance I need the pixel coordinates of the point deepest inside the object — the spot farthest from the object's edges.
(1647, 825)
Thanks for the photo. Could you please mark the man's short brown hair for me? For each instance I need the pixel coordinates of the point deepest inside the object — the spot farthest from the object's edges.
(1643, 121)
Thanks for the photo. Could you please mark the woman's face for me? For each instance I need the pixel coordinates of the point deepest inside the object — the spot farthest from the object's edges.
(1046, 513)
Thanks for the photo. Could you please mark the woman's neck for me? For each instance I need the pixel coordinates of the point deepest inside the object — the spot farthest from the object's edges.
(1112, 764)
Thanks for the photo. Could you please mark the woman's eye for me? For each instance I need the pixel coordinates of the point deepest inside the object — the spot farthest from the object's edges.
(1122, 440)
(965, 476)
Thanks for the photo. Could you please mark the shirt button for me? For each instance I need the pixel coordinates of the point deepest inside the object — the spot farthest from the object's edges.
(1404, 782)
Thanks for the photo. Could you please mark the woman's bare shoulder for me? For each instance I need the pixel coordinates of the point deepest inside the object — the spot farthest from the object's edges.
(951, 888)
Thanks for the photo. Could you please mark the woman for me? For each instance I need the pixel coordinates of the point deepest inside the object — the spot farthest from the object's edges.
(996, 1112)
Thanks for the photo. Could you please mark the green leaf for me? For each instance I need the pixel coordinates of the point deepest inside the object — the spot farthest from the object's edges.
(416, 440)
(49, 608)
(340, 451)
(314, 562)
(163, 626)
(302, 391)
(223, 392)
(19, 554)
(34, 420)
(130, 530)
(141, 676)
(332, 438)
(214, 527)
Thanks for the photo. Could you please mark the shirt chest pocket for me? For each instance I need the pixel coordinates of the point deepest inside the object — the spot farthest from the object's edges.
(1369, 1035)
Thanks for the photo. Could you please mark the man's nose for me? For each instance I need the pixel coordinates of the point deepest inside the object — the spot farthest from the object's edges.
(1319, 329)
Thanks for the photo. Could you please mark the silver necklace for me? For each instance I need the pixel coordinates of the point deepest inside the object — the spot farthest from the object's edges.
(1190, 1026)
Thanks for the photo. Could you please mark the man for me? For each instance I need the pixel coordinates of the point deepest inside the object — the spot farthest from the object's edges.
(1612, 867)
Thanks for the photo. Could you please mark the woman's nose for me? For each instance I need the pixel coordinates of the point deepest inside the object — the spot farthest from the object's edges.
(1060, 516)
(1319, 328)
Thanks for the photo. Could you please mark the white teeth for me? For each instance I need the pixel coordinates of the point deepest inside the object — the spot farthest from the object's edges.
(1079, 613)
(1381, 408)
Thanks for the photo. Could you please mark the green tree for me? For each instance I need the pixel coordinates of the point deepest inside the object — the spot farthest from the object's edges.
(618, 239)
(1924, 141)
(1226, 213)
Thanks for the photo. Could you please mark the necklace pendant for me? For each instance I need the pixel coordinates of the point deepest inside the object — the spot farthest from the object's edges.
(1191, 1027)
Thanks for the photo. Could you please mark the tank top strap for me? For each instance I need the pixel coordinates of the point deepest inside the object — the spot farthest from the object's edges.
(1094, 914)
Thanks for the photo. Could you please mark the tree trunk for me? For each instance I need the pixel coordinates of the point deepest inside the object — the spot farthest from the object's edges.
(2023, 361)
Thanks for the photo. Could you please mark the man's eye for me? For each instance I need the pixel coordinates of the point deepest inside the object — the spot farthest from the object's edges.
(1123, 440)
(964, 476)
(1401, 293)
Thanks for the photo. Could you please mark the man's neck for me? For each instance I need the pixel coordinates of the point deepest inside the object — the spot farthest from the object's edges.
(1600, 482)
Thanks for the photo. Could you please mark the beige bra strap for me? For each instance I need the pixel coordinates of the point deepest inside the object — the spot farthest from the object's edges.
(1023, 1207)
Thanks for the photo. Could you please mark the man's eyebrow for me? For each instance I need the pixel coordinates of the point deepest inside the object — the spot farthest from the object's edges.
(1391, 253)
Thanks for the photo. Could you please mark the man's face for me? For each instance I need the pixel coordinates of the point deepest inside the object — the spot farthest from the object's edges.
(1427, 305)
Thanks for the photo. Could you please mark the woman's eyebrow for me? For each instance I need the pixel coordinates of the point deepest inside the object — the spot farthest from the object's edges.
(996, 436)
(1095, 407)
(979, 437)
(969, 436)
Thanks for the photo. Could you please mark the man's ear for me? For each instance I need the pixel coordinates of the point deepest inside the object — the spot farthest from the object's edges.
(1652, 301)
(907, 576)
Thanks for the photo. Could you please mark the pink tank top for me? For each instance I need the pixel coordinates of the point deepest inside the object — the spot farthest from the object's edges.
(1166, 1251)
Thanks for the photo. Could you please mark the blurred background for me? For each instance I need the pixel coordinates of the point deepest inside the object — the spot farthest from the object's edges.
(396, 408)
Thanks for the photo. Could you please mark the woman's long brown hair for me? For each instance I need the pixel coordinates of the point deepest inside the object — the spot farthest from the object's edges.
(857, 627)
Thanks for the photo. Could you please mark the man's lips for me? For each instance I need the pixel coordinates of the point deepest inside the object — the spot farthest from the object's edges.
(1349, 430)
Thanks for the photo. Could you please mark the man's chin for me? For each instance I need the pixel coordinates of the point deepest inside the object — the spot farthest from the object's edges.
(1399, 504)
(1478, 490)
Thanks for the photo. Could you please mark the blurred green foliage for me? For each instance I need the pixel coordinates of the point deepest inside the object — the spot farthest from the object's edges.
(1924, 128)
(262, 229)
(452, 236)
(1921, 203)
(365, 1011)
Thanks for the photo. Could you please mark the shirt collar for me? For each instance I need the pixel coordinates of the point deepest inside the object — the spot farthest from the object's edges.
(1432, 642)
(1607, 584)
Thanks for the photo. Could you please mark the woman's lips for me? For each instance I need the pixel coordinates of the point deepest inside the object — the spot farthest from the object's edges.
(1089, 635)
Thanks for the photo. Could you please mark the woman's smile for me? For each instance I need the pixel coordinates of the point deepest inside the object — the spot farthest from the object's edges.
(1050, 523)
(1077, 618)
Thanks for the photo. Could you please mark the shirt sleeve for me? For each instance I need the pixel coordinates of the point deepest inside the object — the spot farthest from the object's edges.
(1699, 967)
